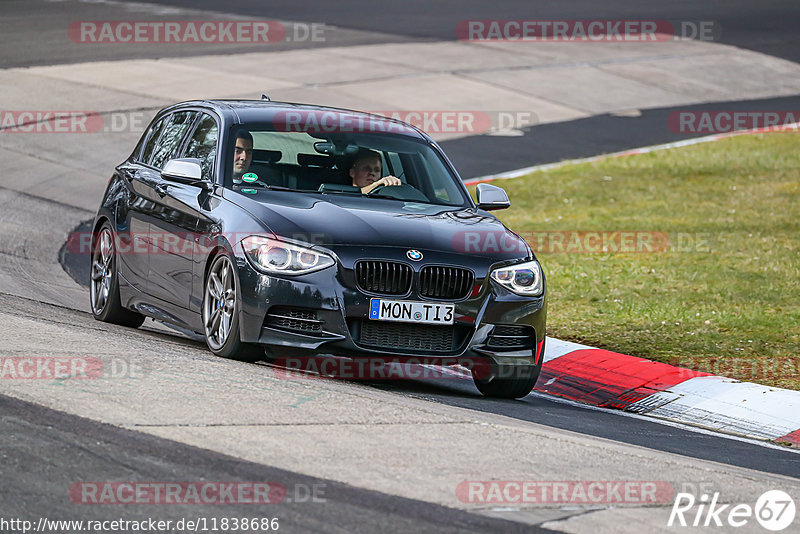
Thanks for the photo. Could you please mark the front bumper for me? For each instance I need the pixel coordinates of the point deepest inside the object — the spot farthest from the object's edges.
(325, 312)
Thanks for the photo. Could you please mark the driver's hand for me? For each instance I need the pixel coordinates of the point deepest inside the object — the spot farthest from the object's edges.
(387, 181)
(390, 180)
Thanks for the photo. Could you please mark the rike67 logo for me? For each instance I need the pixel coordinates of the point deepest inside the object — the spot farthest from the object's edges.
(774, 510)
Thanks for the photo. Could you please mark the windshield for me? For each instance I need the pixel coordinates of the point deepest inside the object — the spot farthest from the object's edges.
(326, 163)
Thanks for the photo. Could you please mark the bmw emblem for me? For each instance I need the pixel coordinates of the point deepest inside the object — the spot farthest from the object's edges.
(414, 255)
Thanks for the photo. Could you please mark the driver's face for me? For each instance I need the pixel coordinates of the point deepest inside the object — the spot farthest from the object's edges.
(242, 156)
(366, 171)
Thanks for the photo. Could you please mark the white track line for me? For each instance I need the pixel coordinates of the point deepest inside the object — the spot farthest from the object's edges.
(643, 150)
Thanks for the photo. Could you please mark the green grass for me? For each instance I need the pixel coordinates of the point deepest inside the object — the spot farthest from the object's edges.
(724, 297)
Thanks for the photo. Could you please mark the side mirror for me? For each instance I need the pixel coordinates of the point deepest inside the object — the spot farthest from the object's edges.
(183, 169)
(491, 197)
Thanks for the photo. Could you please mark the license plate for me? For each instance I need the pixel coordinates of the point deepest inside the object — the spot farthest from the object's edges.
(408, 311)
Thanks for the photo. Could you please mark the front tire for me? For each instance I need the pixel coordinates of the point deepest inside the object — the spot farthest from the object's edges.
(508, 382)
(221, 313)
(104, 283)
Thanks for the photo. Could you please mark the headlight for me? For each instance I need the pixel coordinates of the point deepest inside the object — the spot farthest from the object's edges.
(278, 257)
(523, 279)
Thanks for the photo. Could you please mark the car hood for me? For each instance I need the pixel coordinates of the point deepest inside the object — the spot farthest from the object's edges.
(344, 220)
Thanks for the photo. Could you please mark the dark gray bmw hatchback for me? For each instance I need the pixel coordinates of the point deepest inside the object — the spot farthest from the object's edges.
(277, 229)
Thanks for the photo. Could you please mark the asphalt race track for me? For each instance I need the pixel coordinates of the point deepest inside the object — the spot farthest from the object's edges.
(353, 456)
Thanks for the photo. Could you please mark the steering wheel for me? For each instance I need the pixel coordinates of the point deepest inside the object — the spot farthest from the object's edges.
(400, 192)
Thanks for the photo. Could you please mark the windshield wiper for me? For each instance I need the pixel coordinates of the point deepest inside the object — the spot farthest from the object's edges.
(387, 196)
(265, 185)
(338, 192)
(280, 188)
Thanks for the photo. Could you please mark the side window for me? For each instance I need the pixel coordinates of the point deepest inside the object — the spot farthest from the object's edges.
(174, 131)
(428, 171)
(155, 132)
(203, 144)
(393, 165)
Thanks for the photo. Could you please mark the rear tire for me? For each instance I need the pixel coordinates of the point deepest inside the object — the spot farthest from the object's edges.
(104, 283)
(220, 313)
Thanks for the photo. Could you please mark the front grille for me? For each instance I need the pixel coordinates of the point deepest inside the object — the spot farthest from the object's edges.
(450, 283)
(511, 337)
(384, 277)
(426, 339)
(294, 319)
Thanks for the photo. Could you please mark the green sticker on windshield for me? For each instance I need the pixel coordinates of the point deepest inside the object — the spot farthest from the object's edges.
(250, 177)
(250, 191)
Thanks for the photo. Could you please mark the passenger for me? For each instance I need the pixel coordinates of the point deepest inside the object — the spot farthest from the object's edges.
(366, 172)
(242, 155)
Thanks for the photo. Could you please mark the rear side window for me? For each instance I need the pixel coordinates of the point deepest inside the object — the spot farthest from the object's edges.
(203, 144)
(152, 138)
(174, 130)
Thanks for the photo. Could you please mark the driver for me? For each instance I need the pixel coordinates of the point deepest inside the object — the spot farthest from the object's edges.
(366, 172)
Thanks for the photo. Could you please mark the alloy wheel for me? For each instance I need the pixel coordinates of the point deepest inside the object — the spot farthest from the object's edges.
(102, 271)
(219, 302)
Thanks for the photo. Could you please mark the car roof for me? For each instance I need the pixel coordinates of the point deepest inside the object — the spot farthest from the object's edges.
(254, 111)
